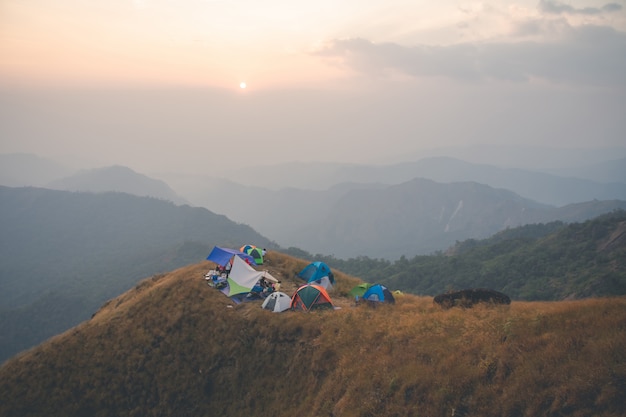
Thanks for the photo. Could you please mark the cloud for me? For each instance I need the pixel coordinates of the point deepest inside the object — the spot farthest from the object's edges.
(557, 7)
(588, 55)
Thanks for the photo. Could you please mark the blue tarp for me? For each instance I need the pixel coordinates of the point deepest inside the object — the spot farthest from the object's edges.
(221, 256)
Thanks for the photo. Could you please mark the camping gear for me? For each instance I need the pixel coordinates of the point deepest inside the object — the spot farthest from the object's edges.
(215, 279)
(311, 297)
(378, 293)
(318, 273)
(222, 256)
(277, 302)
(360, 289)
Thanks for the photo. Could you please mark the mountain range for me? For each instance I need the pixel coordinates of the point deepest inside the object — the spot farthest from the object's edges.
(383, 211)
(117, 179)
(418, 216)
(600, 181)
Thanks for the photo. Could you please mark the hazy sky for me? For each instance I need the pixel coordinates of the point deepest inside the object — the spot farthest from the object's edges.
(156, 84)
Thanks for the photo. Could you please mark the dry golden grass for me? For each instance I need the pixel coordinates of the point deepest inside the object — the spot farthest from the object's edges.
(175, 347)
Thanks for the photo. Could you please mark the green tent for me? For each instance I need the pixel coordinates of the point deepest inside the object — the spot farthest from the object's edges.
(359, 290)
(257, 254)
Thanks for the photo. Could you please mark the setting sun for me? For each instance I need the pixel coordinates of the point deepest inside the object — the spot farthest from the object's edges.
(242, 85)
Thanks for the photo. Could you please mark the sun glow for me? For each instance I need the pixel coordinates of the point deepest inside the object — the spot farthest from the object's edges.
(242, 85)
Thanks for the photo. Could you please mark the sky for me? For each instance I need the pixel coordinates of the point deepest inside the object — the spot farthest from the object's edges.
(158, 84)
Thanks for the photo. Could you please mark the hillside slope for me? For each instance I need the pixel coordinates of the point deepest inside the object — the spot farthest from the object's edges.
(172, 346)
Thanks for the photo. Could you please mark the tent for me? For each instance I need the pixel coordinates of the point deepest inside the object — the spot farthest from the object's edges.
(378, 293)
(243, 277)
(222, 256)
(246, 248)
(257, 254)
(360, 289)
(310, 297)
(277, 302)
(318, 273)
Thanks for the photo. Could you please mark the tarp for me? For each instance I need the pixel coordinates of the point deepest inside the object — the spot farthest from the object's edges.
(221, 256)
(243, 277)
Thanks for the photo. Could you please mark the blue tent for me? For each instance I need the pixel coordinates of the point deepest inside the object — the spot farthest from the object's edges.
(378, 293)
(316, 271)
(221, 256)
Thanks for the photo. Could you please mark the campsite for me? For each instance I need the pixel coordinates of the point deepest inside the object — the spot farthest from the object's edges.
(211, 338)
(242, 275)
(174, 346)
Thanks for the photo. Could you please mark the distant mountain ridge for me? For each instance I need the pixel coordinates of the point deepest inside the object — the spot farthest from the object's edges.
(28, 170)
(419, 216)
(543, 187)
(605, 172)
(119, 179)
(312, 218)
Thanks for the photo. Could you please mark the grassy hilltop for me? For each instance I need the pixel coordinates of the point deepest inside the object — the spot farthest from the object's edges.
(173, 346)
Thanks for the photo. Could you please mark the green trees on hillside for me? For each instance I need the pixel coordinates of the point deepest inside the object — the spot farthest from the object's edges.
(552, 261)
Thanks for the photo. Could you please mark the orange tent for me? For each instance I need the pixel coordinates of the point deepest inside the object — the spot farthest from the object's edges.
(310, 297)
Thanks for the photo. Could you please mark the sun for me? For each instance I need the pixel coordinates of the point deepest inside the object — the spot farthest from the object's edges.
(242, 85)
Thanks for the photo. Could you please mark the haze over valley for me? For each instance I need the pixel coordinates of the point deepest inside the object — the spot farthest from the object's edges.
(349, 210)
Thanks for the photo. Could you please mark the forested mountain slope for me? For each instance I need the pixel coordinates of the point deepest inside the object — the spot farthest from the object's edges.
(63, 253)
(552, 261)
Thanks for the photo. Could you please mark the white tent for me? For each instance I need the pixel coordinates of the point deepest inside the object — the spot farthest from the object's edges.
(242, 278)
(277, 302)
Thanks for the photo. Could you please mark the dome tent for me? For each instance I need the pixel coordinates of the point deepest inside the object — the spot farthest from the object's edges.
(257, 254)
(254, 252)
(311, 297)
(318, 273)
(360, 289)
(246, 248)
(277, 302)
(378, 293)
